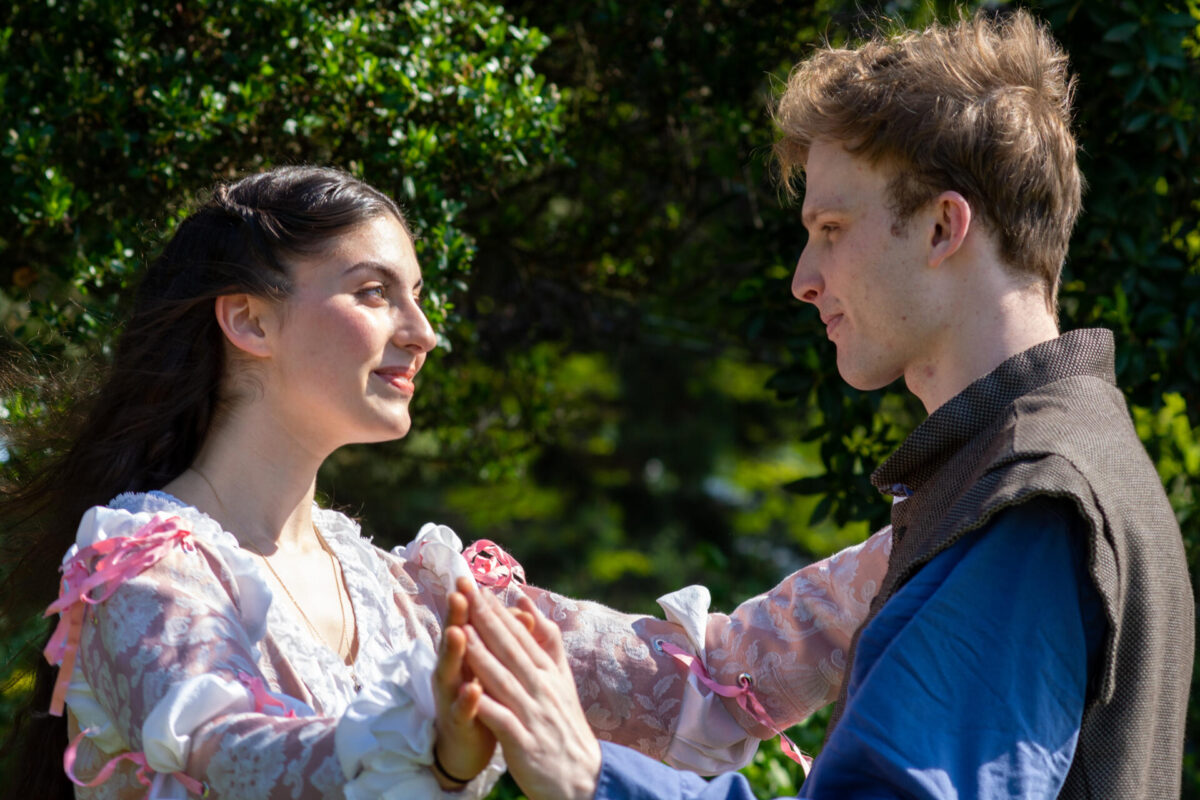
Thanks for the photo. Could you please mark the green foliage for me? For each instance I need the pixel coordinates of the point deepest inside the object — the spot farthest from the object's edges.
(121, 111)
(116, 113)
(611, 408)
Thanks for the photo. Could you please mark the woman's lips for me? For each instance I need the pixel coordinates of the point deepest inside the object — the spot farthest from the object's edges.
(401, 379)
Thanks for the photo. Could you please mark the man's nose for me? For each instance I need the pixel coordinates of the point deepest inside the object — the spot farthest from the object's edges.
(806, 282)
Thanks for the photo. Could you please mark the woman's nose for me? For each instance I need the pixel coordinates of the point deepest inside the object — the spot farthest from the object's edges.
(413, 331)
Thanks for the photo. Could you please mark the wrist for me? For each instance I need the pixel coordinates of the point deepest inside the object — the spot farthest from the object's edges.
(584, 778)
(446, 779)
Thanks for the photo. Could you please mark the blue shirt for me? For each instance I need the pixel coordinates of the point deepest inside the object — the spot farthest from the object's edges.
(970, 682)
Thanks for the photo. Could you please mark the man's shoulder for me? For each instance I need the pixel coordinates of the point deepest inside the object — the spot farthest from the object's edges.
(1073, 408)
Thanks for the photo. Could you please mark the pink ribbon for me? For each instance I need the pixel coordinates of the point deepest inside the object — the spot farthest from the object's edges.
(262, 697)
(745, 698)
(143, 772)
(120, 558)
(491, 566)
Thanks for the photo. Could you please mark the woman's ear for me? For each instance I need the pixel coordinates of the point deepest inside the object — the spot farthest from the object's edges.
(241, 317)
(952, 221)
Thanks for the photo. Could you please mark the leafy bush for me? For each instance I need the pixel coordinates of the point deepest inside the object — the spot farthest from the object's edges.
(605, 410)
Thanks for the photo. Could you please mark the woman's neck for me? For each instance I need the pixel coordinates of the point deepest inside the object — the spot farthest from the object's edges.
(256, 480)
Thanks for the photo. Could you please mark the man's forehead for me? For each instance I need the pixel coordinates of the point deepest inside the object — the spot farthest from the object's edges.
(836, 179)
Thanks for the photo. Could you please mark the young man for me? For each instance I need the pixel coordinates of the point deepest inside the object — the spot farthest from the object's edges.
(1034, 635)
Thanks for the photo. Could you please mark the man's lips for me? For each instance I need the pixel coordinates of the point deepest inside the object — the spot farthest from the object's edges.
(831, 323)
(399, 378)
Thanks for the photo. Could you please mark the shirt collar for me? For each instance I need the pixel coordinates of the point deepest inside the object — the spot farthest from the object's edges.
(1080, 352)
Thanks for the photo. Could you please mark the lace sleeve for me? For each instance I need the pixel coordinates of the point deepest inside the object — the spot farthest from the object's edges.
(170, 659)
(789, 643)
(630, 689)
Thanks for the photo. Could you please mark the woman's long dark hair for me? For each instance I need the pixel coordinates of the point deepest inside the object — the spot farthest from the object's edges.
(148, 420)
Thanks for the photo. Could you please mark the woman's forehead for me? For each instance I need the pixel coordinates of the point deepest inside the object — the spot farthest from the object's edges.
(380, 245)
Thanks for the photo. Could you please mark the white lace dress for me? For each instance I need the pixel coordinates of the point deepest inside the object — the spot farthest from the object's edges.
(190, 667)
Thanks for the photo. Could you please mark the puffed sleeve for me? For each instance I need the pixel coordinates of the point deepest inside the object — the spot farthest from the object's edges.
(791, 642)
(788, 645)
(169, 672)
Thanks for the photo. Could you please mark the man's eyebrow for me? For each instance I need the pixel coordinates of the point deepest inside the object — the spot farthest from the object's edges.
(809, 215)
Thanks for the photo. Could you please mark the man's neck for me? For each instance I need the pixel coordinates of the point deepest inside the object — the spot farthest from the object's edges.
(977, 340)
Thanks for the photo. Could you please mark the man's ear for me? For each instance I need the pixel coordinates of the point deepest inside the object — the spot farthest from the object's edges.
(951, 222)
(241, 317)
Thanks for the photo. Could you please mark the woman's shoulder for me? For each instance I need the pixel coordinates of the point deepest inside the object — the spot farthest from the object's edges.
(148, 502)
(161, 524)
(133, 514)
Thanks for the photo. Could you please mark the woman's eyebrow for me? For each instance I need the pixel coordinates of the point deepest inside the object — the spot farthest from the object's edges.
(389, 272)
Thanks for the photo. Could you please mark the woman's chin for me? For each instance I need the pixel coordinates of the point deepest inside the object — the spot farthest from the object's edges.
(397, 431)
(390, 431)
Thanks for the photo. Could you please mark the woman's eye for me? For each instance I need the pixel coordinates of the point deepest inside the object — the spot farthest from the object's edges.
(377, 291)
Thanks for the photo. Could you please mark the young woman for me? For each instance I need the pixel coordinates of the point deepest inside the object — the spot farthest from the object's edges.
(220, 634)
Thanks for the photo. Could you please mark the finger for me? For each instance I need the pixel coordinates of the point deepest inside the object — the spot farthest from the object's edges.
(466, 705)
(449, 668)
(522, 633)
(504, 724)
(457, 611)
(525, 618)
(502, 635)
(544, 632)
(498, 680)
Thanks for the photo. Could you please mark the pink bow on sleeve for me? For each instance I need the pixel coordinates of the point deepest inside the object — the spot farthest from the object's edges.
(119, 559)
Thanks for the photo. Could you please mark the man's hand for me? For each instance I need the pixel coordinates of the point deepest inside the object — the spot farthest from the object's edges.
(530, 702)
(464, 745)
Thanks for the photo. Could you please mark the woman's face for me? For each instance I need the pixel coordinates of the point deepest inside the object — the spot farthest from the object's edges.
(350, 339)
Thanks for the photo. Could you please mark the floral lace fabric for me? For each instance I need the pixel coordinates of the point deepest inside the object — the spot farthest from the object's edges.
(160, 662)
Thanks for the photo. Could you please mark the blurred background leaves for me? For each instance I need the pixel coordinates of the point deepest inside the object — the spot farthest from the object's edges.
(626, 396)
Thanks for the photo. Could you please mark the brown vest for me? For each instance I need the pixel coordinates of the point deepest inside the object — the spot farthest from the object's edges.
(1050, 422)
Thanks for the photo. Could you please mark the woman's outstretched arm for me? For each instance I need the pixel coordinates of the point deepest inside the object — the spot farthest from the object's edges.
(531, 706)
(791, 641)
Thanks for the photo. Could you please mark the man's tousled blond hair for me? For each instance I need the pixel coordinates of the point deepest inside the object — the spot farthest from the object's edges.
(981, 106)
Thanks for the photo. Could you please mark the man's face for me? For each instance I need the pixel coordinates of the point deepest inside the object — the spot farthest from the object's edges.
(864, 273)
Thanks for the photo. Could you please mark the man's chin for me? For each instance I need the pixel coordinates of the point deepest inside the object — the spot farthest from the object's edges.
(866, 380)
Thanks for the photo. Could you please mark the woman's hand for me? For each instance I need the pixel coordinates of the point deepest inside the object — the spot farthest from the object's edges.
(530, 702)
(464, 745)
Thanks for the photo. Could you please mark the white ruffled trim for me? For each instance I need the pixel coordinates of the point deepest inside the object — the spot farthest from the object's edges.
(128, 514)
(384, 738)
(167, 731)
(90, 714)
(707, 739)
(438, 549)
(688, 608)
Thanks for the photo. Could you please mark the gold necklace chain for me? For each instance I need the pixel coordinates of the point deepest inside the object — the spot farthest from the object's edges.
(339, 586)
